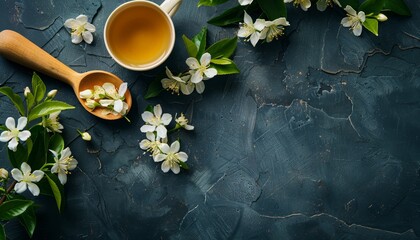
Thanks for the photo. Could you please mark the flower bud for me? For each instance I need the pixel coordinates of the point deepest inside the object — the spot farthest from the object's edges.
(4, 174)
(26, 91)
(52, 93)
(86, 94)
(86, 136)
(381, 17)
(92, 104)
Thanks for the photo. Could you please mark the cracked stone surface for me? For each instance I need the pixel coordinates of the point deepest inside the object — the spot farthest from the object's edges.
(317, 138)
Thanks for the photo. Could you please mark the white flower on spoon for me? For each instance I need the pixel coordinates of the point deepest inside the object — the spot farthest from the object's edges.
(80, 29)
(15, 132)
(156, 121)
(116, 103)
(25, 179)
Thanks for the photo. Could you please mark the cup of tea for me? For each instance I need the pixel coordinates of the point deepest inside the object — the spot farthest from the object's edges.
(140, 35)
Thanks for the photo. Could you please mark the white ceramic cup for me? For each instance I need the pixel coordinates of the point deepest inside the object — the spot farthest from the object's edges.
(168, 8)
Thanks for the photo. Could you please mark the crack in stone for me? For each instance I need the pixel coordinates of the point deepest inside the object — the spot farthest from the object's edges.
(185, 216)
(212, 186)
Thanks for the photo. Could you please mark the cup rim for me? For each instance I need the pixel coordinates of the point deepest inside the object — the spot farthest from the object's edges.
(143, 3)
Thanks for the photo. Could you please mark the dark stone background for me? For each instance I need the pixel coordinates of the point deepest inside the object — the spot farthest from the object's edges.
(317, 138)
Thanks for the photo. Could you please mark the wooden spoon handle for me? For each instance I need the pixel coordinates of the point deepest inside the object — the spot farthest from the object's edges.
(19, 49)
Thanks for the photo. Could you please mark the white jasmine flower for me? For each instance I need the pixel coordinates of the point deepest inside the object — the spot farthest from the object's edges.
(116, 103)
(52, 93)
(64, 163)
(98, 92)
(249, 30)
(174, 83)
(52, 124)
(151, 144)
(86, 94)
(25, 179)
(245, 2)
(86, 136)
(304, 4)
(274, 29)
(4, 174)
(26, 91)
(381, 17)
(80, 29)
(354, 20)
(156, 121)
(182, 121)
(201, 70)
(15, 132)
(92, 104)
(171, 157)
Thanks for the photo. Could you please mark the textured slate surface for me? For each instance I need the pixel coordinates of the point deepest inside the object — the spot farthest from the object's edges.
(317, 138)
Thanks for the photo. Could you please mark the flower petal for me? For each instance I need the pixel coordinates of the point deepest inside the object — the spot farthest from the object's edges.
(205, 59)
(159, 157)
(82, 18)
(346, 22)
(157, 110)
(151, 136)
(175, 168)
(65, 153)
(72, 23)
(210, 72)
(245, 2)
(10, 123)
(199, 87)
(182, 156)
(118, 106)
(357, 30)
(189, 127)
(321, 5)
(166, 118)
(76, 38)
(192, 63)
(350, 10)
(144, 144)
(26, 169)
(305, 4)
(87, 36)
(106, 102)
(361, 15)
(197, 77)
(254, 38)
(187, 89)
(13, 144)
(244, 32)
(164, 148)
(161, 131)
(17, 174)
(38, 175)
(20, 187)
(33, 188)
(260, 24)
(6, 136)
(165, 166)
(248, 19)
(122, 89)
(24, 135)
(175, 147)
(147, 128)
(147, 116)
(90, 27)
(62, 177)
(22, 121)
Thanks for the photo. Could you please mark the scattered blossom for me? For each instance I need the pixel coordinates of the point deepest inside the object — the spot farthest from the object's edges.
(80, 29)
(249, 30)
(175, 83)
(171, 157)
(51, 94)
(4, 174)
(201, 70)
(156, 121)
(273, 29)
(321, 5)
(26, 91)
(304, 4)
(182, 121)
(15, 132)
(151, 144)
(64, 163)
(354, 20)
(25, 179)
(116, 102)
(85, 136)
(52, 124)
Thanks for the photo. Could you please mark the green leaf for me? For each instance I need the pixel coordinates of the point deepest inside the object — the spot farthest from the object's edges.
(353, 3)
(2, 233)
(273, 8)
(30, 101)
(183, 165)
(154, 89)
(149, 108)
(372, 6)
(230, 16)
(200, 41)
(371, 25)
(38, 156)
(190, 46)
(28, 220)
(13, 208)
(56, 143)
(38, 88)
(210, 2)
(3, 128)
(56, 187)
(223, 48)
(221, 61)
(18, 157)
(397, 6)
(46, 108)
(226, 69)
(16, 99)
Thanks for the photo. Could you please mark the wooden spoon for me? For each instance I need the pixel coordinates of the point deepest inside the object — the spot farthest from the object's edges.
(19, 49)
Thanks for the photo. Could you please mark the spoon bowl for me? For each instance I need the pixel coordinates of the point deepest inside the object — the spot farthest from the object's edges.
(19, 49)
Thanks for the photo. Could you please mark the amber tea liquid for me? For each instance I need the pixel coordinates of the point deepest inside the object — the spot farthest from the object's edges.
(139, 35)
